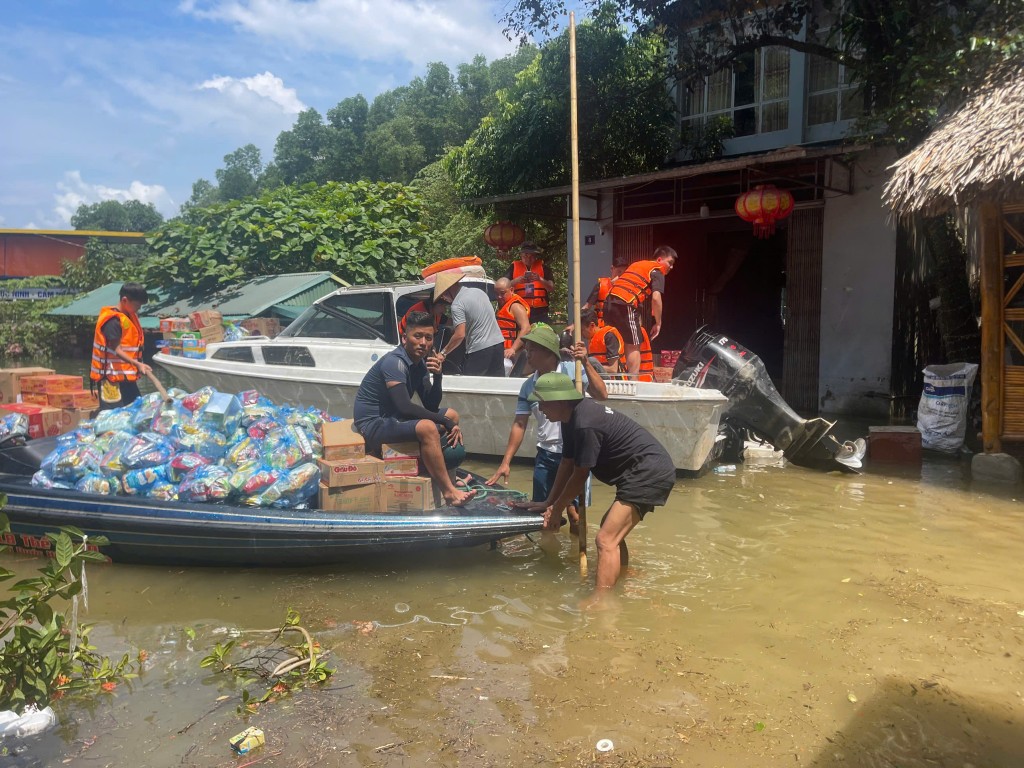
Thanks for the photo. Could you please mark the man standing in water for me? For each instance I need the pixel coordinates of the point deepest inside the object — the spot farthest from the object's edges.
(384, 411)
(619, 452)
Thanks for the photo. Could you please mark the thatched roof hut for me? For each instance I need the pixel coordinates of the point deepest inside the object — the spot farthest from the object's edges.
(977, 153)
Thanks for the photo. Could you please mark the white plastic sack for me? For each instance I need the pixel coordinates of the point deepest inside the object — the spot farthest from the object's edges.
(31, 723)
(942, 413)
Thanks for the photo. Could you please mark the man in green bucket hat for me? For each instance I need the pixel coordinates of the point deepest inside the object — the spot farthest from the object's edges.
(543, 356)
(619, 452)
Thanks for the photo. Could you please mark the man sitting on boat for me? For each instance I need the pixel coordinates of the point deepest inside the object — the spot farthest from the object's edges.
(543, 355)
(619, 452)
(384, 411)
(473, 321)
(513, 316)
(604, 343)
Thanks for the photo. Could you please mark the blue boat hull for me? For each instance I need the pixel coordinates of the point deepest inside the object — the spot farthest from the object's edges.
(172, 533)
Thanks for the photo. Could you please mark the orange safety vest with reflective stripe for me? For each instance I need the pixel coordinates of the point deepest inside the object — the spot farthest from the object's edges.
(604, 286)
(598, 348)
(107, 365)
(633, 287)
(646, 357)
(533, 293)
(507, 321)
(419, 306)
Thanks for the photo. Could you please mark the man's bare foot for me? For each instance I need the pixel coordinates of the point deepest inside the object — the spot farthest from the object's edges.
(458, 498)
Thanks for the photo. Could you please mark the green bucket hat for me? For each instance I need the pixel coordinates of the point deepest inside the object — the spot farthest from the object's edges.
(544, 335)
(552, 387)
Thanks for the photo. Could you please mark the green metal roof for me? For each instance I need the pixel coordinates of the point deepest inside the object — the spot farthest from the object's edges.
(285, 295)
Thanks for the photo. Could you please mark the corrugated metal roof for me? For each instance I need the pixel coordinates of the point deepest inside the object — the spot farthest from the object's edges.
(258, 296)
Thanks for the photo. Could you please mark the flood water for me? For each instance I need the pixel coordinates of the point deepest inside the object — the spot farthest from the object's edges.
(770, 617)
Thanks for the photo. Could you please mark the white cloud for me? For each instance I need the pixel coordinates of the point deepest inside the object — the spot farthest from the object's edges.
(74, 191)
(416, 30)
(266, 86)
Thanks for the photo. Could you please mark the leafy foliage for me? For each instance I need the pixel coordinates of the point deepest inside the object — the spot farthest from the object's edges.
(364, 232)
(281, 666)
(115, 216)
(915, 59)
(38, 660)
(626, 118)
(26, 330)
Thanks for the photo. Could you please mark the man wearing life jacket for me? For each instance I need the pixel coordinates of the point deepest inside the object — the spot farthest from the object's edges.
(646, 372)
(117, 349)
(638, 282)
(603, 287)
(604, 343)
(530, 281)
(513, 316)
(428, 306)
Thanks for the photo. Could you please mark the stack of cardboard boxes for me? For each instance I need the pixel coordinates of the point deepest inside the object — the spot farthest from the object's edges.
(54, 403)
(351, 481)
(262, 326)
(188, 336)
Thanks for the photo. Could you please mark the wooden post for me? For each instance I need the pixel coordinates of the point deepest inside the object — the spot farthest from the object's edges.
(574, 141)
(991, 328)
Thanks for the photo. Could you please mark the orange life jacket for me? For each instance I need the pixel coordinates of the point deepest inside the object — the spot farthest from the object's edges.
(598, 348)
(507, 321)
(604, 286)
(419, 306)
(633, 287)
(646, 357)
(107, 365)
(533, 293)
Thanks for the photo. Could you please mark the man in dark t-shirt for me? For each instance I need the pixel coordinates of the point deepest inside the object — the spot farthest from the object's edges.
(384, 412)
(619, 452)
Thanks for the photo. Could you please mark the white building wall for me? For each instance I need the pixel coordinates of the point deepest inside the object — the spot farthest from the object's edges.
(857, 286)
(596, 242)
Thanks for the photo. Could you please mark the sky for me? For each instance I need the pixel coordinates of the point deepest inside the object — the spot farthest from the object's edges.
(137, 99)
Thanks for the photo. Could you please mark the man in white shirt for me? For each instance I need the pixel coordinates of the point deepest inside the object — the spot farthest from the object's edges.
(473, 321)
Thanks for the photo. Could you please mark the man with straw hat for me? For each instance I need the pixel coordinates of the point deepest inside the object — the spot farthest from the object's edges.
(543, 355)
(473, 321)
(619, 452)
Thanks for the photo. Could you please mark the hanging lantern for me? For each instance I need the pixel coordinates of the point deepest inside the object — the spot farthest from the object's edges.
(763, 206)
(503, 236)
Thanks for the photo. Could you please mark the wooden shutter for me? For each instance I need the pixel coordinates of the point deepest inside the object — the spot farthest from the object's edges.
(802, 343)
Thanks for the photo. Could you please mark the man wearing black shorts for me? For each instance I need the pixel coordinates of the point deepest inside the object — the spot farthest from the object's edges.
(384, 411)
(641, 280)
(619, 452)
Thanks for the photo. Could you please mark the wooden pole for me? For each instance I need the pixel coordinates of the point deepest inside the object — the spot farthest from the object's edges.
(574, 141)
(991, 328)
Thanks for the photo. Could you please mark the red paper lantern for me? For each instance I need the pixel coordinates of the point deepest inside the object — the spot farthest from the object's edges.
(503, 236)
(763, 206)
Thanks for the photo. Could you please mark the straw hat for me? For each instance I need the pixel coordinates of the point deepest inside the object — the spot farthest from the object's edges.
(445, 281)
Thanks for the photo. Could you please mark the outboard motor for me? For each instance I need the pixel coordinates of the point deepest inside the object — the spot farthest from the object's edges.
(23, 457)
(713, 361)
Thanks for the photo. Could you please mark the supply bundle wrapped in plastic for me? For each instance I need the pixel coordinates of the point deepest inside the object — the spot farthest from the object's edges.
(13, 425)
(203, 446)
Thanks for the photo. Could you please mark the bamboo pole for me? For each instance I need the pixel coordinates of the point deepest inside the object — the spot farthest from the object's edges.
(991, 329)
(574, 141)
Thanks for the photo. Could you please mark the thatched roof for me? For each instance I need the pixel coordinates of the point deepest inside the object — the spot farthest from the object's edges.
(975, 153)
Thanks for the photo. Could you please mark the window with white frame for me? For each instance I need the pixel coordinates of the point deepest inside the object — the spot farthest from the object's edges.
(832, 94)
(753, 94)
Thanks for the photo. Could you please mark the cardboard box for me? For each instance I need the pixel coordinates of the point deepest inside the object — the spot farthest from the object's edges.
(341, 441)
(348, 472)
(43, 421)
(172, 324)
(407, 466)
(81, 398)
(10, 381)
(400, 450)
(206, 318)
(669, 357)
(35, 398)
(262, 326)
(51, 383)
(70, 418)
(409, 495)
(366, 499)
(662, 374)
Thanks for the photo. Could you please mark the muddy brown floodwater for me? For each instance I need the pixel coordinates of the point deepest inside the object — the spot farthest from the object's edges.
(771, 617)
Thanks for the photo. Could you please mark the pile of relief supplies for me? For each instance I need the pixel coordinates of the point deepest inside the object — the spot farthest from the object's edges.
(206, 446)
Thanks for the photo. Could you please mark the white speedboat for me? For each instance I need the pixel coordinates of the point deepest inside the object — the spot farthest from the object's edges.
(321, 357)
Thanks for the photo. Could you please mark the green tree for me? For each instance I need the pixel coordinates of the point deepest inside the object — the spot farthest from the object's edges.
(915, 59)
(241, 173)
(300, 152)
(626, 118)
(115, 216)
(364, 232)
(393, 151)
